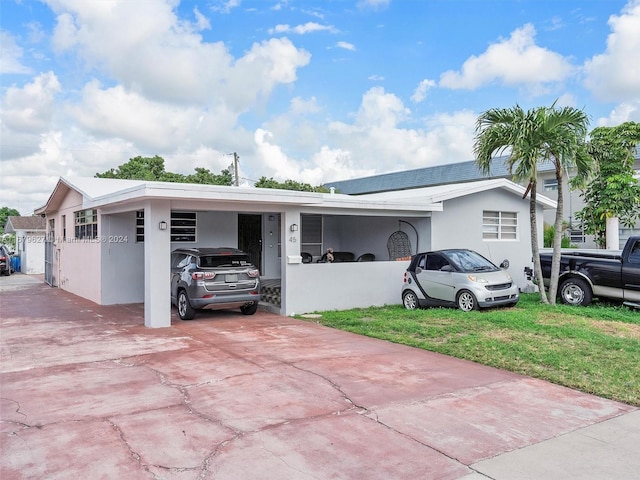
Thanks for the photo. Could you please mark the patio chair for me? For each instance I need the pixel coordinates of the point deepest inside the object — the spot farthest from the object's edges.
(306, 257)
(399, 245)
(366, 257)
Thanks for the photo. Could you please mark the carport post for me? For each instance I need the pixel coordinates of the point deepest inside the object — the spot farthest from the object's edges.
(291, 239)
(157, 269)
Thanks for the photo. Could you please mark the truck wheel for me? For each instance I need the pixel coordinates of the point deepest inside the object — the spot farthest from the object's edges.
(575, 291)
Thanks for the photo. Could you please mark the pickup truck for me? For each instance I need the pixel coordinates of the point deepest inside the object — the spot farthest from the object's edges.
(584, 274)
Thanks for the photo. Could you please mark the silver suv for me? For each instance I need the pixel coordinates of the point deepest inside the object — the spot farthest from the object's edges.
(213, 278)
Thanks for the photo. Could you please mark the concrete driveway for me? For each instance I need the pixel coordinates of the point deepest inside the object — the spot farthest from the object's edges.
(88, 392)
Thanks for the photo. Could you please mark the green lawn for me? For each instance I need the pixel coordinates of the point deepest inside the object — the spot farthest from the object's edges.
(594, 349)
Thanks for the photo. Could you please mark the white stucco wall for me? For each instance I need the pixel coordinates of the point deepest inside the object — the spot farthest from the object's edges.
(122, 260)
(76, 263)
(30, 246)
(459, 225)
(337, 286)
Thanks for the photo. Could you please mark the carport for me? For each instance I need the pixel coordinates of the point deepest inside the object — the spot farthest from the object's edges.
(135, 225)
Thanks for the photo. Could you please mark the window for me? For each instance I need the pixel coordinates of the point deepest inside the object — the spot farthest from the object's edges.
(140, 226)
(550, 184)
(183, 226)
(52, 229)
(311, 233)
(634, 254)
(576, 236)
(64, 228)
(435, 261)
(86, 224)
(499, 225)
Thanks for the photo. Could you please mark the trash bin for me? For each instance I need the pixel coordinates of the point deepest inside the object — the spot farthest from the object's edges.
(15, 263)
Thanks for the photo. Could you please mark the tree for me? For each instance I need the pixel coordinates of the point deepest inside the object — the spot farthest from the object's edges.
(613, 191)
(265, 182)
(6, 212)
(152, 169)
(537, 135)
(204, 176)
(138, 168)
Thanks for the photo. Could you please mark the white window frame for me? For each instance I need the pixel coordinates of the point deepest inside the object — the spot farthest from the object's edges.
(550, 184)
(139, 226)
(85, 224)
(181, 220)
(311, 240)
(499, 226)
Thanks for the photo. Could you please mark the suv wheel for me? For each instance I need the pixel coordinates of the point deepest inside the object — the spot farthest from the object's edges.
(185, 310)
(249, 308)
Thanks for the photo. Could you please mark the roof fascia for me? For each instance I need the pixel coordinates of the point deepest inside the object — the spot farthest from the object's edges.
(477, 187)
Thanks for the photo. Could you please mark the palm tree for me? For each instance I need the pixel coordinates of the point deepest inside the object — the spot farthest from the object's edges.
(537, 135)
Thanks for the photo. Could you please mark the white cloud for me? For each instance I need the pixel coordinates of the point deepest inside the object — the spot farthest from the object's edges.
(30, 108)
(615, 74)
(376, 141)
(325, 165)
(373, 4)
(379, 108)
(165, 59)
(10, 55)
(420, 92)
(346, 46)
(309, 27)
(512, 62)
(299, 106)
(225, 6)
(202, 22)
(624, 112)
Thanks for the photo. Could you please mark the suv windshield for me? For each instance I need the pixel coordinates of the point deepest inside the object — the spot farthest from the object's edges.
(469, 261)
(213, 261)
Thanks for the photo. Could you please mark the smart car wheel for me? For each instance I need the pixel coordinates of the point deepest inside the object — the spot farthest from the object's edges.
(409, 300)
(249, 308)
(467, 301)
(185, 310)
(575, 291)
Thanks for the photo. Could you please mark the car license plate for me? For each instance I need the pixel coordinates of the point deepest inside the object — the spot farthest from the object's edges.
(231, 278)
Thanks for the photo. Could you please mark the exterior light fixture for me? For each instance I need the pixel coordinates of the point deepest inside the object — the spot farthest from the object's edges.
(162, 225)
(294, 227)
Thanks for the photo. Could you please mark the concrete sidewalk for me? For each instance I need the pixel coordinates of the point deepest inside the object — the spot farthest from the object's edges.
(88, 392)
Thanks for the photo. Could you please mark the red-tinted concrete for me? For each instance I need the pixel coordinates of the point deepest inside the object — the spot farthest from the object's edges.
(89, 392)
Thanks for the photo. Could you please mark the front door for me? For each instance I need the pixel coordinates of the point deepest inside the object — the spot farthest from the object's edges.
(250, 237)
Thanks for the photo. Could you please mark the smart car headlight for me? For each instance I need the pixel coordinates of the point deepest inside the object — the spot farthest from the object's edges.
(477, 279)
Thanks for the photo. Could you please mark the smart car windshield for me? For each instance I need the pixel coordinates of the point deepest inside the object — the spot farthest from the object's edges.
(469, 261)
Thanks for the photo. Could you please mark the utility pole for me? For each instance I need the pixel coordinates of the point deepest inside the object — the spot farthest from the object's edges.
(236, 159)
(234, 166)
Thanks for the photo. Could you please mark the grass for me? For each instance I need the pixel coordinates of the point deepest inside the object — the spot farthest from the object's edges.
(594, 349)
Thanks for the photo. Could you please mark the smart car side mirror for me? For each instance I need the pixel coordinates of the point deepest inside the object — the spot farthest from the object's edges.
(447, 268)
(505, 264)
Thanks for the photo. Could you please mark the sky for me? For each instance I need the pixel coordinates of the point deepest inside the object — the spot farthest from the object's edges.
(313, 91)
